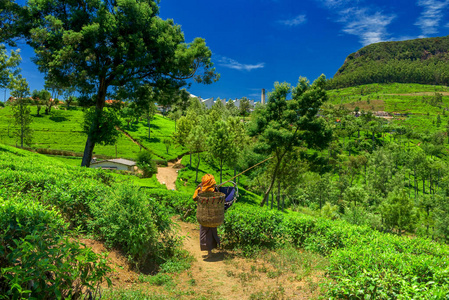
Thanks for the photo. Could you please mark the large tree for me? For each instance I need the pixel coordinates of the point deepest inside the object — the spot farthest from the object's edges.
(282, 125)
(8, 65)
(221, 145)
(21, 110)
(101, 45)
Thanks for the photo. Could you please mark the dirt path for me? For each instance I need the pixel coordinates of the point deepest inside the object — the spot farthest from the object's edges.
(214, 275)
(167, 175)
(226, 275)
(223, 276)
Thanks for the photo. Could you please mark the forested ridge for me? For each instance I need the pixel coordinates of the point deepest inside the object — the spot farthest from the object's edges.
(422, 61)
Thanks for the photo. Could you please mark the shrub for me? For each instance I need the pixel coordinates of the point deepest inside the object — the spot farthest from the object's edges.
(146, 164)
(92, 201)
(134, 222)
(250, 229)
(178, 203)
(37, 261)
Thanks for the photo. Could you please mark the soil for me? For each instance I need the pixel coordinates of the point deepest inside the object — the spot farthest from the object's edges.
(224, 275)
(167, 175)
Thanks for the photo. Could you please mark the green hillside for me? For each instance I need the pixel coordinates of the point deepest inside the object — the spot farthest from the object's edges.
(417, 107)
(61, 130)
(424, 61)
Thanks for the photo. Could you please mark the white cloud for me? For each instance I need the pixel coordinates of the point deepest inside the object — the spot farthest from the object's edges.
(336, 3)
(431, 16)
(233, 64)
(301, 19)
(369, 27)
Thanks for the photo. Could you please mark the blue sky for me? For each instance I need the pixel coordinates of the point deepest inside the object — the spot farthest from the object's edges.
(258, 42)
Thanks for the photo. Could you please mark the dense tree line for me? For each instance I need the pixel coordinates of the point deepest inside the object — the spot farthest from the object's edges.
(422, 61)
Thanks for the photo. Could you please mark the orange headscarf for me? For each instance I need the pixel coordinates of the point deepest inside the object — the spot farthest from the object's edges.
(207, 185)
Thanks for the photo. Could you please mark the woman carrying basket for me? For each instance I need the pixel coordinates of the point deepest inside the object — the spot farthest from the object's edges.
(208, 235)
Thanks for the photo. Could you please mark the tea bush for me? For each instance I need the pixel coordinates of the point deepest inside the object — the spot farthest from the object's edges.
(94, 202)
(37, 260)
(131, 220)
(247, 228)
(177, 202)
(364, 263)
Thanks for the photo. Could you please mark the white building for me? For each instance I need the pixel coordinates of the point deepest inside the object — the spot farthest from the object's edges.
(114, 164)
(210, 101)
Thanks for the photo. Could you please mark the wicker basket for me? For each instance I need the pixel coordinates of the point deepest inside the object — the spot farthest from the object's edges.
(210, 209)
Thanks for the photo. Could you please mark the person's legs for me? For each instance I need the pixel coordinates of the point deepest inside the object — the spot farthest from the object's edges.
(208, 238)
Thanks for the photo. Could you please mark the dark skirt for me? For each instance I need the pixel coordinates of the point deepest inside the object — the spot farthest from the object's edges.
(208, 238)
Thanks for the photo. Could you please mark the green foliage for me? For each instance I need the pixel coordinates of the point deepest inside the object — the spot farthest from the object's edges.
(8, 65)
(251, 229)
(133, 222)
(244, 107)
(91, 200)
(196, 142)
(167, 143)
(37, 260)
(398, 211)
(146, 164)
(61, 131)
(117, 47)
(282, 125)
(363, 262)
(179, 203)
(104, 133)
(21, 114)
(221, 146)
(414, 61)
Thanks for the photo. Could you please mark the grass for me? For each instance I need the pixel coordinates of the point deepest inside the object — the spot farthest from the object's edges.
(418, 101)
(133, 294)
(61, 130)
(69, 160)
(301, 263)
(400, 98)
(161, 129)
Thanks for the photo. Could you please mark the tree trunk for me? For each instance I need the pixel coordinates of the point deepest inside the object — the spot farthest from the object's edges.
(265, 197)
(438, 180)
(21, 127)
(423, 186)
(88, 150)
(279, 193)
(221, 169)
(149, 130)
(416, 183)
(95, 126)
(197, 166)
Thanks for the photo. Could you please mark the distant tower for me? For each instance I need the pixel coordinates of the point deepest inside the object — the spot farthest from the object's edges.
(262, 97)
